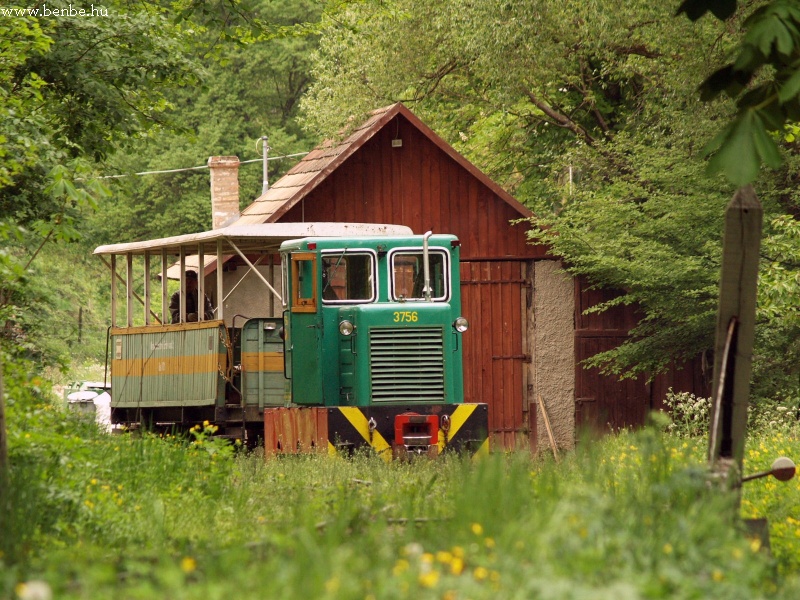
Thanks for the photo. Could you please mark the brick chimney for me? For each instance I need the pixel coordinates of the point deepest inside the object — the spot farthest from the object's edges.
(224, 190)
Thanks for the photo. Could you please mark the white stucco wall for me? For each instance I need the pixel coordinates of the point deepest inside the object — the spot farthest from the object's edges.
(250, 298)
(554, 352)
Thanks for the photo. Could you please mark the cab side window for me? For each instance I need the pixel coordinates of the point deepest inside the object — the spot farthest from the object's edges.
(304, 282)
(408, 275)
(348, 277)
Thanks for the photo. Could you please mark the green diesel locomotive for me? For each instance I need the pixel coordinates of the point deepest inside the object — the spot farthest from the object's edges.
(343, 336)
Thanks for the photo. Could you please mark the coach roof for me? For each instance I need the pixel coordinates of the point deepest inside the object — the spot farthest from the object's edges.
(256, 237)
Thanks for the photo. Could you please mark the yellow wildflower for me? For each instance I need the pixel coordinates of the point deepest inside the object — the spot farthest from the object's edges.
(457, 566)
(477, 529)
(667, 548)
(400, 567)
(429, 579)
(443, 556)
(717, 575)
(480, 573)
(332, 585)
(188, 564)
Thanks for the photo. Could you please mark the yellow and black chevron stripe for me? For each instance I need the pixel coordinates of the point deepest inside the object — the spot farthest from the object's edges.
(349, 427)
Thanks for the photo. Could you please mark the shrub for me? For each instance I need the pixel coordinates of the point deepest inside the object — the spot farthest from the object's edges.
(690, 414)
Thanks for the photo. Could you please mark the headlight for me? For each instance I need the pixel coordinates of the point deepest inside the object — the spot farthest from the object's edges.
(346, 327)
(461, 324)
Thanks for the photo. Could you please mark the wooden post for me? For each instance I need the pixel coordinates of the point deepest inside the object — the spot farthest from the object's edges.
(550, 435)
(733, 350)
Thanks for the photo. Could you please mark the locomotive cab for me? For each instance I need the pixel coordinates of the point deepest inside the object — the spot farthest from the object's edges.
(373, 330)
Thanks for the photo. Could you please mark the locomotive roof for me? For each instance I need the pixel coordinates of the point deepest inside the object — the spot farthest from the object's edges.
(257, 237)
(329, 243)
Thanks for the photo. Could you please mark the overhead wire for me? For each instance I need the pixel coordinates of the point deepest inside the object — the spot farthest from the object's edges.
(159, 172)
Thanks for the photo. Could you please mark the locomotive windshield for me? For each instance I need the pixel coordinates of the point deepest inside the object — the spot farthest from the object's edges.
(408, 275)
(348, 277)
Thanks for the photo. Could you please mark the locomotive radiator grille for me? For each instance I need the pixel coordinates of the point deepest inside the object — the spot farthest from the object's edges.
(407, 365)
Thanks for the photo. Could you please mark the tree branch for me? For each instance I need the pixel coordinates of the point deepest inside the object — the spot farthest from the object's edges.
(560, 119)
(592, 106)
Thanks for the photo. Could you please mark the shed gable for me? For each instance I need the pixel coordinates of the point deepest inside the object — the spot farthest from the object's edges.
(419, 185)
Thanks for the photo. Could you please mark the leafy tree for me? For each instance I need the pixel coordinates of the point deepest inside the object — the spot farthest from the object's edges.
(72, 87)
(21, 125)
(85, 84)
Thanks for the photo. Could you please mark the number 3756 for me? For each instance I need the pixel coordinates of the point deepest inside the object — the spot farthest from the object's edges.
(405, 316)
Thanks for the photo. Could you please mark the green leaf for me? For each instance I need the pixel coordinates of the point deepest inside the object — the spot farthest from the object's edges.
(769, 31)
(770, 112)
(694, 9)
(784, 42)
(727, 79)
(737, 157)
(765, 145)
(790, 88)
(749, 59)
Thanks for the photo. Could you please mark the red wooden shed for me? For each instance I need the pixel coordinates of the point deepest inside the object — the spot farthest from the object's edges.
(528, 332)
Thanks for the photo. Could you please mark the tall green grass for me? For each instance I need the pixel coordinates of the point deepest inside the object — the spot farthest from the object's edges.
(629, 516)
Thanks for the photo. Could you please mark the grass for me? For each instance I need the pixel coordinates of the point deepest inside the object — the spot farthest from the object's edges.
(629, 516)
(778, 501)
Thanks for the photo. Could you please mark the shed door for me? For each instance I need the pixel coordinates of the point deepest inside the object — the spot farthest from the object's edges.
(496, 357)
(605, 403)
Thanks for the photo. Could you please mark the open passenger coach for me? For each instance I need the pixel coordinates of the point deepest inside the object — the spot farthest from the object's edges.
(367, 351)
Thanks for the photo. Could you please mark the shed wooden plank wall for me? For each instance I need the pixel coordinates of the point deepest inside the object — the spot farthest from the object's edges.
(495, 357)
(605, 403)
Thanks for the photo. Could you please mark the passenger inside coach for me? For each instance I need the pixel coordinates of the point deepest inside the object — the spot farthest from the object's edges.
(191, 302)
